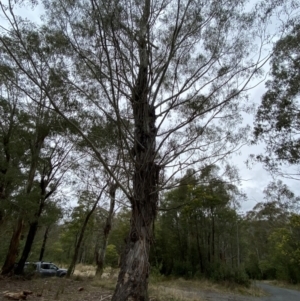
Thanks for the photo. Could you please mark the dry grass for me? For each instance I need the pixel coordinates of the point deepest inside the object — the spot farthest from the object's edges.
(178, 286)
(166, 290)
(84, 270)
(162, 293)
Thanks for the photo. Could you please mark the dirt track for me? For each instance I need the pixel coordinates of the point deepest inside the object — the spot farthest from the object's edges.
(278, 293)
(274, 294)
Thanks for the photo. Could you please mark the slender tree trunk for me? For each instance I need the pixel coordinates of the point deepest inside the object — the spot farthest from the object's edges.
(76, 251)
(238, 244)
(134, 271)
(81, 235)
(11, 256)
(43, 248)
(208, 248)
(213, 239)
(2, 199)
(1, 216)
(82, 254)
(180, 241)
(199, 249)
(100, 258)
(5, 183)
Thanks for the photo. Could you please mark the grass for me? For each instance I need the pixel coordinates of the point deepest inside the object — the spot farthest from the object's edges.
(84, 270)
(164, 289)
(163, 293)
(177, 287)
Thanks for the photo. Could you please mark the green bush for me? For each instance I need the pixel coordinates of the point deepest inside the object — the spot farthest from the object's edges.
(112, 256)
(155, 274)
(183, 269)
(223, 272)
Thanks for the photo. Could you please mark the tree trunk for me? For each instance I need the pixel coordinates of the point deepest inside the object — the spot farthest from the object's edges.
(213, 239)
(33, 226)
(11, 256)
(82, 254)
(199, 249)
(77, 249)
(27, 248)
(2, 199)
(100, 258)
(81, 235)
(15, 240)
(208, 248)
(238, 244)
(134, 271)
(43, 248)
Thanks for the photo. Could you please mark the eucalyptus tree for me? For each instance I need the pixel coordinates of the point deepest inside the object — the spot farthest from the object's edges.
(48, 221)
(12, 148)
(197, 227)
(284, 257)
(43, 157)
(92, 202)
(43, 170)
(266, 217)
(176, 72)
(277, 118)
(54, 162)
(105, 137)
(100, 256)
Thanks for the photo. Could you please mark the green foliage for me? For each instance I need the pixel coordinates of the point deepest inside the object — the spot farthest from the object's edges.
(277, 119)
(111, 256)
(196, 222)
(272, 230)
(285, 251)
(120, 229)
(222, 272)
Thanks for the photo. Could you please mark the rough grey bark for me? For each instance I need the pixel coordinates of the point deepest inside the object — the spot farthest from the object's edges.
(134, 270)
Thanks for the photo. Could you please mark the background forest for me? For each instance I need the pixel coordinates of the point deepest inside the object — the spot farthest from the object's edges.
(199, 233)
(118, 124)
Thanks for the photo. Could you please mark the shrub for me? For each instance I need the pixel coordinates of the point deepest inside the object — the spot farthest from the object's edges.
(222, 272)
(112, 256)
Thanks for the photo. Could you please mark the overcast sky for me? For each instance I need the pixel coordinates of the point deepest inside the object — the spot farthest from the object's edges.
(256, 178)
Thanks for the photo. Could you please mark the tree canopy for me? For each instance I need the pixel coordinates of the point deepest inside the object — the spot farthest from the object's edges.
(277, 121)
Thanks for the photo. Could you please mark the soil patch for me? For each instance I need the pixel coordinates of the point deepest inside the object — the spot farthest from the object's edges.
(48, 289)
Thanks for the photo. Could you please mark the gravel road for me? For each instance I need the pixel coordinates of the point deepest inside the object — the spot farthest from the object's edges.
(274, 294)
(278, 293)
